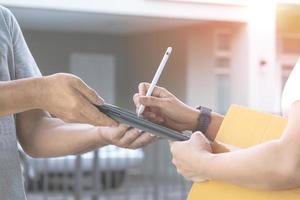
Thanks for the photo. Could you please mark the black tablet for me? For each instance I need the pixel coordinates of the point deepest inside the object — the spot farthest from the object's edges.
(126, 117)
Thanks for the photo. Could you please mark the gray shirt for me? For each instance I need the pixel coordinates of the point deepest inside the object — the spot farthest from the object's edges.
(16, 62)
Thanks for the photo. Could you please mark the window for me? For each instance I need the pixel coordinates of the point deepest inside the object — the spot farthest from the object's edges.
(222, 64)
(289, 54)
(223, 92)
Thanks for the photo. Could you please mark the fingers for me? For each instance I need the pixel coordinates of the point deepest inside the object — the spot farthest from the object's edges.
(131, 138)
(136, 100)
(157, 92)
(142, 141)
(153, 117)
(143, 87)
(92, 115)
(148, 101)
(115, 136)
(151, 101)
(87, 92)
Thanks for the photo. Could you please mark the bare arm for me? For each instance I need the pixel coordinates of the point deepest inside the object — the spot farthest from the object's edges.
(63, 95)
(18, 96)
(40, 135)
(272, 165)
(67, 97)
(43, 136)
(164, 108)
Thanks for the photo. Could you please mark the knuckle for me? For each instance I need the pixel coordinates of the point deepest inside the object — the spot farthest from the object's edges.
(142, 84)
(93, 93)
(151, 99)
(168, 100)
(74, 80)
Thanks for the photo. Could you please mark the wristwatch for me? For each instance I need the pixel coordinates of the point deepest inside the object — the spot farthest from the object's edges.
(203, 119)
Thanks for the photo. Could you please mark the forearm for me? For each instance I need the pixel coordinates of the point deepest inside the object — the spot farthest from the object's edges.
(219, 147)
(265, 166)
(19, 95)
(214, 126)
(53, 137)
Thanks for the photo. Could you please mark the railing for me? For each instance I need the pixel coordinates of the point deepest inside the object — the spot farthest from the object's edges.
(109, 173)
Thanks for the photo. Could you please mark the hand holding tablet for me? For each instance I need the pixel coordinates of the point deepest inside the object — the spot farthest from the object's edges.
(131, 119)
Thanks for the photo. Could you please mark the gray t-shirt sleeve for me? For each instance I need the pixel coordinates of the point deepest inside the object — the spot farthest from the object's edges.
(24, 63)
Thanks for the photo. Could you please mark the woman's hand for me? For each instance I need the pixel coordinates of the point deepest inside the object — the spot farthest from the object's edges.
(125, 137)
(164, 108)
(189, 157)
(67, 97)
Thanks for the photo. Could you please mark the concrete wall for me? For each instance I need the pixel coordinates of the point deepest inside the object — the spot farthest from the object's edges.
(52, 50)
(143, 53)
(137, 57)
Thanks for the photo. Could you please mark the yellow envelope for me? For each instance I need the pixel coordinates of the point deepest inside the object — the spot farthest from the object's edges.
(243, 127)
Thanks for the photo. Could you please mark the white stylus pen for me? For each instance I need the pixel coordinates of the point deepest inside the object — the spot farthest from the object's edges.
(156, 77)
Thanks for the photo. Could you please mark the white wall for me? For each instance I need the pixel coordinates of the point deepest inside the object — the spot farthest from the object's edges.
(200, 72)
(52, 50)
(264, 81)
(239, 67)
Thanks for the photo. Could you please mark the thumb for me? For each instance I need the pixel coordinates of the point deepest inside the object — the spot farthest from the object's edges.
(199, 139)
(151, 101)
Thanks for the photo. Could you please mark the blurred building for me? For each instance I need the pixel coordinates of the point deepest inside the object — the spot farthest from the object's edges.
(225, 51)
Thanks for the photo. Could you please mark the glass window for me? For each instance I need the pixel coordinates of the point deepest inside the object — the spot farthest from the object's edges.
(224, 42)
(223, 92)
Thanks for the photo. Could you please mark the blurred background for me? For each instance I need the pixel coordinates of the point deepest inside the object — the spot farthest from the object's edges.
(224, 52)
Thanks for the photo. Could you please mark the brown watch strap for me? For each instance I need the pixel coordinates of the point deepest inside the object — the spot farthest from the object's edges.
(203, 119)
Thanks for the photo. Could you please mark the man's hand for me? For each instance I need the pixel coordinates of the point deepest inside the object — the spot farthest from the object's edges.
(67, 97)
(164, 108)
(125, 137)
(188, 157)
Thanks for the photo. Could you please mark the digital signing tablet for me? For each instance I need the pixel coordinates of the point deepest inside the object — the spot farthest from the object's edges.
(126, 117)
